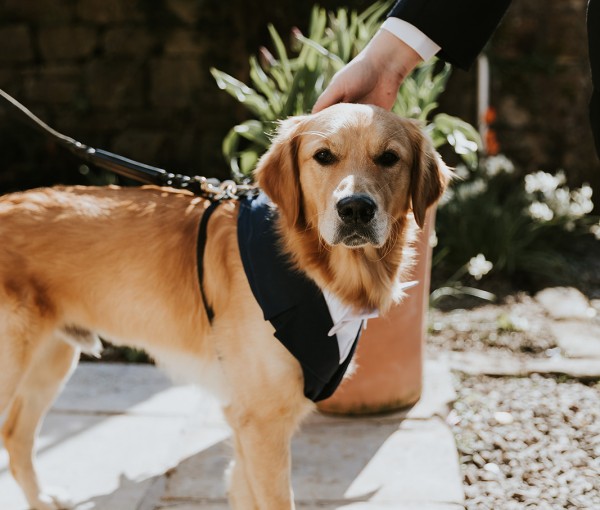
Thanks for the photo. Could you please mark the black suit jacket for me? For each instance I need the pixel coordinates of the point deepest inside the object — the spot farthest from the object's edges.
(460, 27)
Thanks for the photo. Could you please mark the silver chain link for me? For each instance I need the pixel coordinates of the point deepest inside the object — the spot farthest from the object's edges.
(222, 190)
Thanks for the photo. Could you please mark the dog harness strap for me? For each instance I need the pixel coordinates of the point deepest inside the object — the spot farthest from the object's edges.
(201, 245)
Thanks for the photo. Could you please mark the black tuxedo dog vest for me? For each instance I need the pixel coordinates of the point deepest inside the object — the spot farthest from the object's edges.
(291, 302)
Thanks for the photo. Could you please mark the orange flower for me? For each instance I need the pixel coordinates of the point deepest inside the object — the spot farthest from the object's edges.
(491, 142)
(490, 115)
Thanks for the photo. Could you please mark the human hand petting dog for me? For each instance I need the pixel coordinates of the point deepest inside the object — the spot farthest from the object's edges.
(374, 76)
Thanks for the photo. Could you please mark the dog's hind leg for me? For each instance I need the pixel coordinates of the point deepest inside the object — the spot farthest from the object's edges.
(10, 374)
(15, 348)
(45, 375)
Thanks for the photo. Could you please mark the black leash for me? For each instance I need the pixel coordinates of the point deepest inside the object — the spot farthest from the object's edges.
(212, 189)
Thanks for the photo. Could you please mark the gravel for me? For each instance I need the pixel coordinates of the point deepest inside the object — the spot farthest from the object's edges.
(531, 442)
(528, 442)
(519, 325)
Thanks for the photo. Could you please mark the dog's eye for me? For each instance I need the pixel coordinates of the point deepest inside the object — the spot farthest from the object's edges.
(324, 157)
(387, 159)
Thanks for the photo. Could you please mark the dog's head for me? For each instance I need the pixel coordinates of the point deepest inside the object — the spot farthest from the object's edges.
(350, 171)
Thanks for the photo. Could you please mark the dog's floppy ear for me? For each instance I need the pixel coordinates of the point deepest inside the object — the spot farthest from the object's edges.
(429, 176)
(277, 172)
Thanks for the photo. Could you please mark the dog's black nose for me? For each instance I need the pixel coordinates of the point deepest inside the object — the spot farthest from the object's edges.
(356, 209)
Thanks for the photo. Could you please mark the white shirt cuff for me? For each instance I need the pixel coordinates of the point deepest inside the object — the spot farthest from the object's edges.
(412, 36)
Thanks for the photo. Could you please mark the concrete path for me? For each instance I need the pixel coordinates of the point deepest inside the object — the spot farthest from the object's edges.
(121, 437)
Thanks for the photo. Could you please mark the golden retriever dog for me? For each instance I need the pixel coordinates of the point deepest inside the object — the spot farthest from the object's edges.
(349, 184)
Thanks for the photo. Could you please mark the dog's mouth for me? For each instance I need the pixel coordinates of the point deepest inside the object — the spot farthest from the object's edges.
(356, 237)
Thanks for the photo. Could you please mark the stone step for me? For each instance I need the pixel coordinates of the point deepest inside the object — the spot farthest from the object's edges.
(121, 437)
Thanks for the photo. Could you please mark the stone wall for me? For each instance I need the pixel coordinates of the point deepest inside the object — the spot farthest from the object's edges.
(132, 76)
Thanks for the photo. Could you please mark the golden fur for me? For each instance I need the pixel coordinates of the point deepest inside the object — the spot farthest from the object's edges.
(121, 263)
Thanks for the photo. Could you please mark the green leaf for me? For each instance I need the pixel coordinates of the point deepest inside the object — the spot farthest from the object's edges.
(248, 160)
(254, 131)
(240, 91)
(463, 137)
(321, 50)
(281, 79)
(281, 52)
(265, 86)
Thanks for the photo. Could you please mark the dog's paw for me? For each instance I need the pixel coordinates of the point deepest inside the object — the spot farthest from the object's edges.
(52, 498)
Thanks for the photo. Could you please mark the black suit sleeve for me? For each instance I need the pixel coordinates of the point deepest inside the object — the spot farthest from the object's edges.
(460, 27)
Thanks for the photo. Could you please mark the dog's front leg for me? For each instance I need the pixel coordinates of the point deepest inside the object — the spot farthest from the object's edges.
(240, 492)
(261, 476)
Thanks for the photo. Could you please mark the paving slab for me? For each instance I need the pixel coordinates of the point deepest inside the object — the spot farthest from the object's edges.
(112, 432)
(583, 369)
(334, 506)
(382, 463)
(436, 400)
(475, 363)
(98, 460)
(121, 437)
(384, 506)
(565, 303)
(577, 338)
(117, 388)
(438, 392)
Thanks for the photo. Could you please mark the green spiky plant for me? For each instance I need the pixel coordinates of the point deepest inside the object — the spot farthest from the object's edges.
(289, 82)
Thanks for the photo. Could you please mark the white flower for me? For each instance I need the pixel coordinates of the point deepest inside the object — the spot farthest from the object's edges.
(544, 182)
(478, 266)
(461, 144)
(433, 240)
(581, 201)
(473, 189)
(498, 164)
(586, 191)
(560, 202)
(595, 229)
(462, 171)
(447, 197)
(540, 211)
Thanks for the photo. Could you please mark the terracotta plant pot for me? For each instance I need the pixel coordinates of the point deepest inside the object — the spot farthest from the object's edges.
(390, 352)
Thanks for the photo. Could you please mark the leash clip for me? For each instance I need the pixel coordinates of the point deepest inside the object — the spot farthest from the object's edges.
(213, 189)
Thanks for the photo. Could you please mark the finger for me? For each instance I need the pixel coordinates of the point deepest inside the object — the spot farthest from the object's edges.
(329, 97)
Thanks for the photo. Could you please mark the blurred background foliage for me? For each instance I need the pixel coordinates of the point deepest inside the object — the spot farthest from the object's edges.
(133, 77)
(494, 220)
